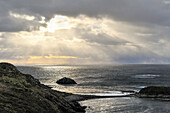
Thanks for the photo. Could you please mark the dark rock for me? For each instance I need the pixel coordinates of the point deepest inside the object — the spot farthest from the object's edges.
(66, 81)
(7, 67)
(22, 93)
(154, 92)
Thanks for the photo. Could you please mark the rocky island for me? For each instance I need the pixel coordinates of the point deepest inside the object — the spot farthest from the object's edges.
(22, 93)
(66, 80)
(154, 92)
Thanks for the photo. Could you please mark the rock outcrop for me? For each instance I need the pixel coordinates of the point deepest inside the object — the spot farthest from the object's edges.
(22, 93)
(7, 67)
(66, 81)
(154, 92)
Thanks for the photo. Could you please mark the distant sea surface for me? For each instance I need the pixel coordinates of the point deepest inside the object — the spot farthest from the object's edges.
(108, 80)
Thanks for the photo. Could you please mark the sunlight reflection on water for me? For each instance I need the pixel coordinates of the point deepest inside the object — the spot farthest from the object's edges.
(125, 105)
(107, 80)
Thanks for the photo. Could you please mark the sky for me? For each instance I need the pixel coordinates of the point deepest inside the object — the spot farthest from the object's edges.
(85, 31)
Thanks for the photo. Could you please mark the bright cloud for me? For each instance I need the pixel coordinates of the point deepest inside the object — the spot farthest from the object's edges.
(26, 17)
(83, 40)
(85, 32)
(59, 22)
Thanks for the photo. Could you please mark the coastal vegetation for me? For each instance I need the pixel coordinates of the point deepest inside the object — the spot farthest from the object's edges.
(22, 93)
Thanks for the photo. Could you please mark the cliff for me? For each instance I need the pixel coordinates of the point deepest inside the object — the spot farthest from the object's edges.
(22, 93)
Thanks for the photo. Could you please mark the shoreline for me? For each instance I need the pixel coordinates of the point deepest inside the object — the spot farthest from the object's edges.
(147, 92)
(75, 97)
(23, 93)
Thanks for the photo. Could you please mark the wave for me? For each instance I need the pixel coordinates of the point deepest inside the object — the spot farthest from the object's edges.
(146, 76)
(108, 94)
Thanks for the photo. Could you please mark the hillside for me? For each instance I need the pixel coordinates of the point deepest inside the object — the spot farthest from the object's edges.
(22, 93)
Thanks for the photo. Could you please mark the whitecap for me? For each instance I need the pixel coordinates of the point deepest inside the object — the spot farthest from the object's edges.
(109, 94)
(140, 87)
(146, 76)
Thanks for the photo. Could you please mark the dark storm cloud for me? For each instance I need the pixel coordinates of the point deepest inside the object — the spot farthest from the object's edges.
(103, 39)
(138, 12)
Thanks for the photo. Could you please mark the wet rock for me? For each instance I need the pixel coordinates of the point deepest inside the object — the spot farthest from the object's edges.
(66, 81)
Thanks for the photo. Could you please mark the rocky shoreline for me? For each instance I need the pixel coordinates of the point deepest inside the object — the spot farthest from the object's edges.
(22, 93)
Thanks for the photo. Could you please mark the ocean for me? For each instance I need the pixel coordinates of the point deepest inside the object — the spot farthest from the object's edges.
(107, 80)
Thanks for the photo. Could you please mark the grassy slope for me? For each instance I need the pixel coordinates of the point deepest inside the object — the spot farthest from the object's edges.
(21, 93)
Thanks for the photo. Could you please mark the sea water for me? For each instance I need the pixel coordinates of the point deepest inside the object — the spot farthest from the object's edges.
(108, 80)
